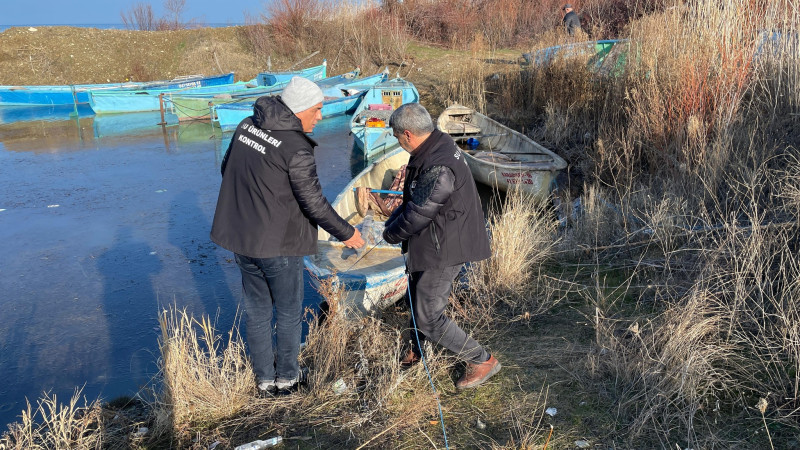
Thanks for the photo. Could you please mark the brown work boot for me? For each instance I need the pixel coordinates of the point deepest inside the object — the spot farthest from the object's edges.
(410, 359)
(477, 374)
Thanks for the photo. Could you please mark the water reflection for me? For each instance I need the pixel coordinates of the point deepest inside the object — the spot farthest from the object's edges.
(12, 114)
(101, 229)
(187, 221)
(127, 270)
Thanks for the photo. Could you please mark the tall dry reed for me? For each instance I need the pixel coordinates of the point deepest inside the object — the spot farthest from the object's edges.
(56, 425)
(522, 238)
(205, 378)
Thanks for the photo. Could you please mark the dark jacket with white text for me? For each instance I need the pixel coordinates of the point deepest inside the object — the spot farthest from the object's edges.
(270, 201)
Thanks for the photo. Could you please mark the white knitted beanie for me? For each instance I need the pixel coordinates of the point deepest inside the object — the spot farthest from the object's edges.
(301, 94)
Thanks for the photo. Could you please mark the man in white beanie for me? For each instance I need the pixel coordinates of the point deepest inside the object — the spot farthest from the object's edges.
(270, 204)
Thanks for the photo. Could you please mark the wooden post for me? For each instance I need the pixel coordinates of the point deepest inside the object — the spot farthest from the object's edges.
(161, 107)
(74, 100)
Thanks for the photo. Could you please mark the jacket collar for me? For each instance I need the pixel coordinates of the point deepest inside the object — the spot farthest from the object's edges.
(271, 113)
(422, 151)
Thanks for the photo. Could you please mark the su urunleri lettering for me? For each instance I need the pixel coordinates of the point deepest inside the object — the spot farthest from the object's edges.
(266, 137)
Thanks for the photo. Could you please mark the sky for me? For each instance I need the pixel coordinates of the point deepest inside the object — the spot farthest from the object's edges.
(65, 12)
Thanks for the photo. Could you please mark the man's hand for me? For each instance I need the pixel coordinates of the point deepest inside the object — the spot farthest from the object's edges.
(355, 241)
(389, 237)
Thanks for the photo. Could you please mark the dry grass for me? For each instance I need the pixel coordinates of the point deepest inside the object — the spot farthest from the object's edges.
(205, 379)
(466, 83)
(522, 239)
(55, 425)
(357, 363)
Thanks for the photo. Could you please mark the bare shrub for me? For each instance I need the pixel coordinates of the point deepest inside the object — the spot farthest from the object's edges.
(449, 22)
(363, 35)
(466, 84)
(205, 379)
(349, 34)
(140, 17)
(175, 10)
(56, 425)
(291, 22)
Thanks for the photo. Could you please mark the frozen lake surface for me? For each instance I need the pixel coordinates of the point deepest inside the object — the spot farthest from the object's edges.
(104, 221)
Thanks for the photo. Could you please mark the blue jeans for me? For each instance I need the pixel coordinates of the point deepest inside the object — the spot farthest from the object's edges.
(267, 283)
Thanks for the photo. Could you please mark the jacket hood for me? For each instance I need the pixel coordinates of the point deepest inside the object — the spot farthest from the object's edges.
(270, 113)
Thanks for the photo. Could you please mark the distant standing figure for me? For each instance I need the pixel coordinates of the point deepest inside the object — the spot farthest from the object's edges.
(270, 204)
(571, 20)
(440, 225)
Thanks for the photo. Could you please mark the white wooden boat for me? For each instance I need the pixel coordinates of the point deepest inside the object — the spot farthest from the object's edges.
(374, 278)
(499, 156)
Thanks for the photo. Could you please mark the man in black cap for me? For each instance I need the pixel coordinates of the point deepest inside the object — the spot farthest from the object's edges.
(270, 204)
(571, 20)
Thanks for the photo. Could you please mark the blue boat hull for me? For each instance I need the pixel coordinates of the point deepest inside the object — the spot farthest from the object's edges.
(70, 94)
(125, 100)
(228, 116)
(312, 73)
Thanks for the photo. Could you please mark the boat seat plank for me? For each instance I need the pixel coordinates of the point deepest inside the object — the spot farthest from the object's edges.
(461, 128)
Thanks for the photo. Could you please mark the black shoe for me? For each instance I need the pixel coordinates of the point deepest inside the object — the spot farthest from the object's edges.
(284, 386)
(267, 389)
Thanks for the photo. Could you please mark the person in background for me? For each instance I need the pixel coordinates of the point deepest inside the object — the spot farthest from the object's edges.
(441, 226)
(571, 21)
(270, 204)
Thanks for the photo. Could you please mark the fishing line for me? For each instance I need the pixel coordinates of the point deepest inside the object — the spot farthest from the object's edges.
(422, 355)
(364, 255)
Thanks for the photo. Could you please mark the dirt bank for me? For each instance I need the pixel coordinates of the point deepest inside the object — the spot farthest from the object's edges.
(65, 55)
(72, 55)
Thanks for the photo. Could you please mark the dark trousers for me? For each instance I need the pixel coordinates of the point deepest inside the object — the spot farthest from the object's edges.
(430, 293)
(267, 283)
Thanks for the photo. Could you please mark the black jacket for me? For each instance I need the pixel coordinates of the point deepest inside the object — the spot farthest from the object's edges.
(571, 22)
(270, 201)
(440, 221)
